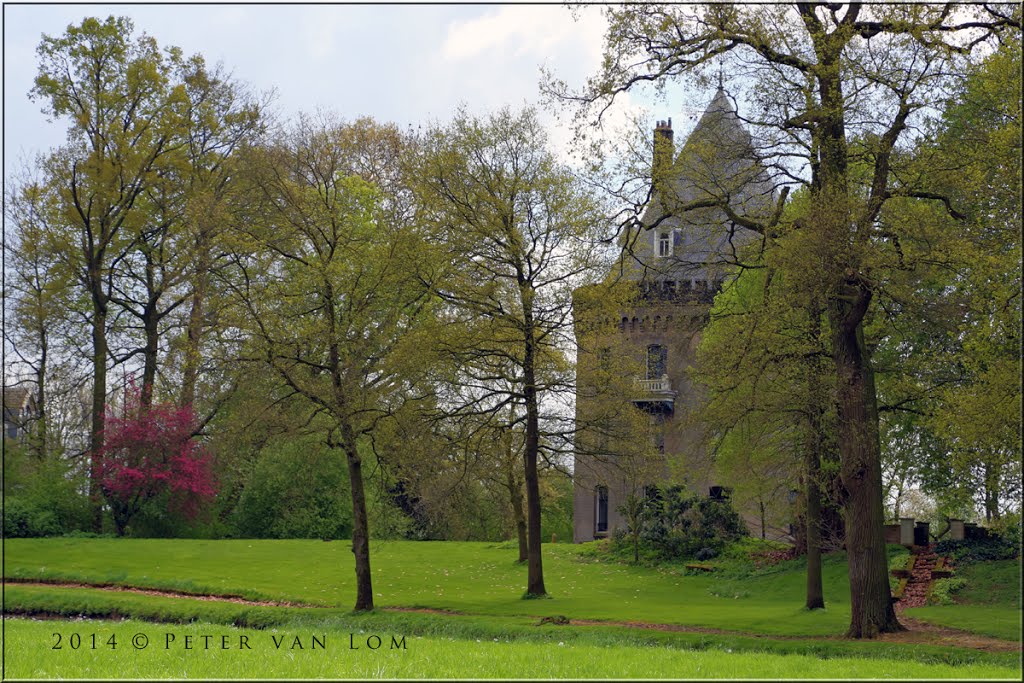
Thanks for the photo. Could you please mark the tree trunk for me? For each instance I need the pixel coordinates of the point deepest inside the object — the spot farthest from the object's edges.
(39, 436)
(151, 328)
(120, 521)
(516, 499)
(99, 407)
(871, 610)
(360, 525)
(764, 529)
(535, 570)
(991, 493)
(813, 447)
(193, 348)
(815, 590)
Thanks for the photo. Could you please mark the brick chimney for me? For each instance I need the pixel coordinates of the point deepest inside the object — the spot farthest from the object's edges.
(664, 151)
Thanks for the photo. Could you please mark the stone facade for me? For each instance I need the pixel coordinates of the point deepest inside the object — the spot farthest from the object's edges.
(678, 258)
(19, 411)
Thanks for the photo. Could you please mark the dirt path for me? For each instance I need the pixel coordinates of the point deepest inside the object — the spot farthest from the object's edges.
(923, 633)
(918, 633)
(160, 593)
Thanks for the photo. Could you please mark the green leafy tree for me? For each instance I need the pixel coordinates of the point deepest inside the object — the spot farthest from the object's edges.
(517, 230)
(979, 154)
(949, 368)
(221, 117)
(332, 294)
(39, 296)
(124, 110)
(764, 359)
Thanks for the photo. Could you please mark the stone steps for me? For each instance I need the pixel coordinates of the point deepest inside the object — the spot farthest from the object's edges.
(919, 583)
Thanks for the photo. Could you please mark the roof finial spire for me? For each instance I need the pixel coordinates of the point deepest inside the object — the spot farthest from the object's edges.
(720, 76)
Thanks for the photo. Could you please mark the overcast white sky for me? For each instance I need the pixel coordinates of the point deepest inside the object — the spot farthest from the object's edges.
(404, 64)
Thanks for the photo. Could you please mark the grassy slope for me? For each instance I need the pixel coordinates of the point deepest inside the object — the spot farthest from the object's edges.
(990, 603)
(29, 646)
(480, 578)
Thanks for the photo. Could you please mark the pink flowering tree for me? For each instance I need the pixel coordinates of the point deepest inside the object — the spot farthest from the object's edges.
(150, 454)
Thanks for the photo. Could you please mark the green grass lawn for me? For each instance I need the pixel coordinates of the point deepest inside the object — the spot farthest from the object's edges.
(991, 583)
(753, 612)
(31, 654)
(79, 603)
(479, 578)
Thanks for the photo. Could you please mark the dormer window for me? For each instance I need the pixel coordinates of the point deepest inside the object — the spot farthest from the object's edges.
(664, 243)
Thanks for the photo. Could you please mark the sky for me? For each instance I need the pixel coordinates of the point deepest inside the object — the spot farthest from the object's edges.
(407, 64)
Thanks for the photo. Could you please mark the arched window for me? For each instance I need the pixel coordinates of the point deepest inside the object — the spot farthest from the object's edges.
(601, 508)
(657, 359)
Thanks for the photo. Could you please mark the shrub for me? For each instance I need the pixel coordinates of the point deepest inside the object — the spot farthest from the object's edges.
(44, 495)
(706, 553)
(943, 589)
(23, 519)
(298, 489)
(86, 534)
(678, 526)
(978, 550)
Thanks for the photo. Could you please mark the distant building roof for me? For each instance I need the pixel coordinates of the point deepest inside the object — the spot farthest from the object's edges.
(16, 398)
(717, 162)
(18, 410)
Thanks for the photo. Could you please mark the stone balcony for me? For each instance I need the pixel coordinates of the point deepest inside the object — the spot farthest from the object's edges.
(655, 395)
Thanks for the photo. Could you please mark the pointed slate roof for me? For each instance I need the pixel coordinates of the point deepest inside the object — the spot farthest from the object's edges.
(717, 161)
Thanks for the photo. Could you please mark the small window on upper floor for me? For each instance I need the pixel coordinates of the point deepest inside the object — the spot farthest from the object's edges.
(664, 243)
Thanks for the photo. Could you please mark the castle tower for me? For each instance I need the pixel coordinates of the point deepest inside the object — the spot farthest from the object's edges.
(678, 258)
